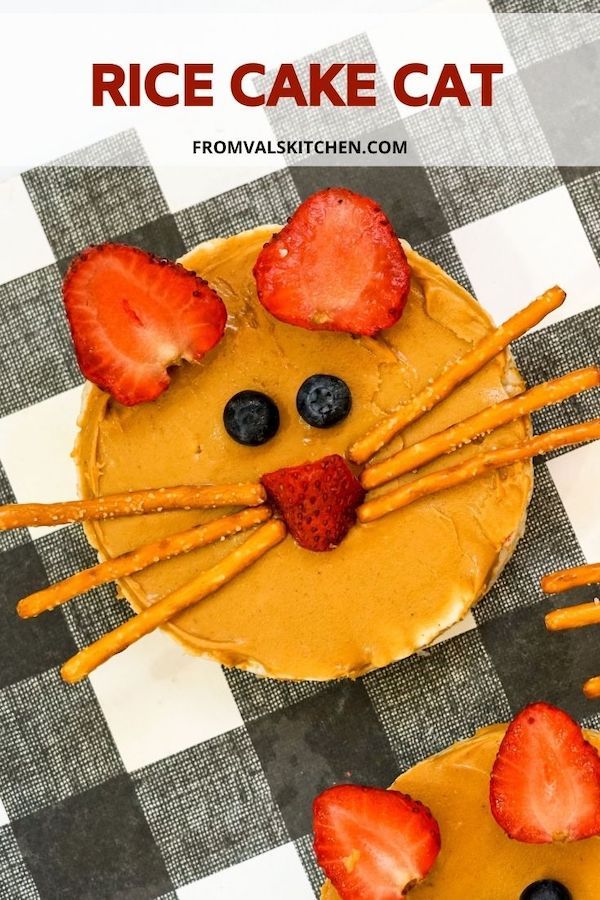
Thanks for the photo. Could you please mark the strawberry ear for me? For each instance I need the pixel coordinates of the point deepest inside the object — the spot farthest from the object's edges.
(545, 783)
(373, 843)
(336, 266)
(133, 316)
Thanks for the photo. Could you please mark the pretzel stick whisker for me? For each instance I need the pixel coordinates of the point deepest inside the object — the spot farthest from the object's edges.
(573, 616)
(591, 688)
(88, 659)
(479, 464)
(454, 374)
(411, 458)
(140, 558)
(565, 579)
(131, 503)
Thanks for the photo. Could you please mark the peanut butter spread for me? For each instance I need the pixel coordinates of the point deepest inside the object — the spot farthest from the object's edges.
(391, 586)
(477, 859)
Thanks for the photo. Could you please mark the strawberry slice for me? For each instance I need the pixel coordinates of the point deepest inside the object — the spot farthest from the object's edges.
(545, 783)
(133, 315)
(373, 844)
(337, 265)
(317, 501)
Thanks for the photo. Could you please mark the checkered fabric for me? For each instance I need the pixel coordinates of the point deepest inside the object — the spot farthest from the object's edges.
(167, 776)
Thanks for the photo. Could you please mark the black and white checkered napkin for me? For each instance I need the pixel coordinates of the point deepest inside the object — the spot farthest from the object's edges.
(164, 775)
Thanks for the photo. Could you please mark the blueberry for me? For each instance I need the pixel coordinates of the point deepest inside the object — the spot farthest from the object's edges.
(323, 400)
(546, 890)
(251, 418)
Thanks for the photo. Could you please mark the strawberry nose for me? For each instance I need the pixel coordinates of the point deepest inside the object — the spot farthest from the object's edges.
(317, 500)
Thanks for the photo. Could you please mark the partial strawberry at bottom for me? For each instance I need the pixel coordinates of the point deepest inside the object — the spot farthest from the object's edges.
(132, 316)
(373, 844)
(317, 500)
(545, 783)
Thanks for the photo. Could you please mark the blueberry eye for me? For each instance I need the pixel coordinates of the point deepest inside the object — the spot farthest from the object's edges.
(251, 418)
(323, 400)
(546, 890)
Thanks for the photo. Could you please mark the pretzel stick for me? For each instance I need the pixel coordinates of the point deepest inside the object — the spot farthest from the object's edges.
(591, 688)
(417, 455)
(131, 503)
(454, 374)
(479, 464)
(84, 662)
(557, 582)
(573, 616)
(141, 558)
